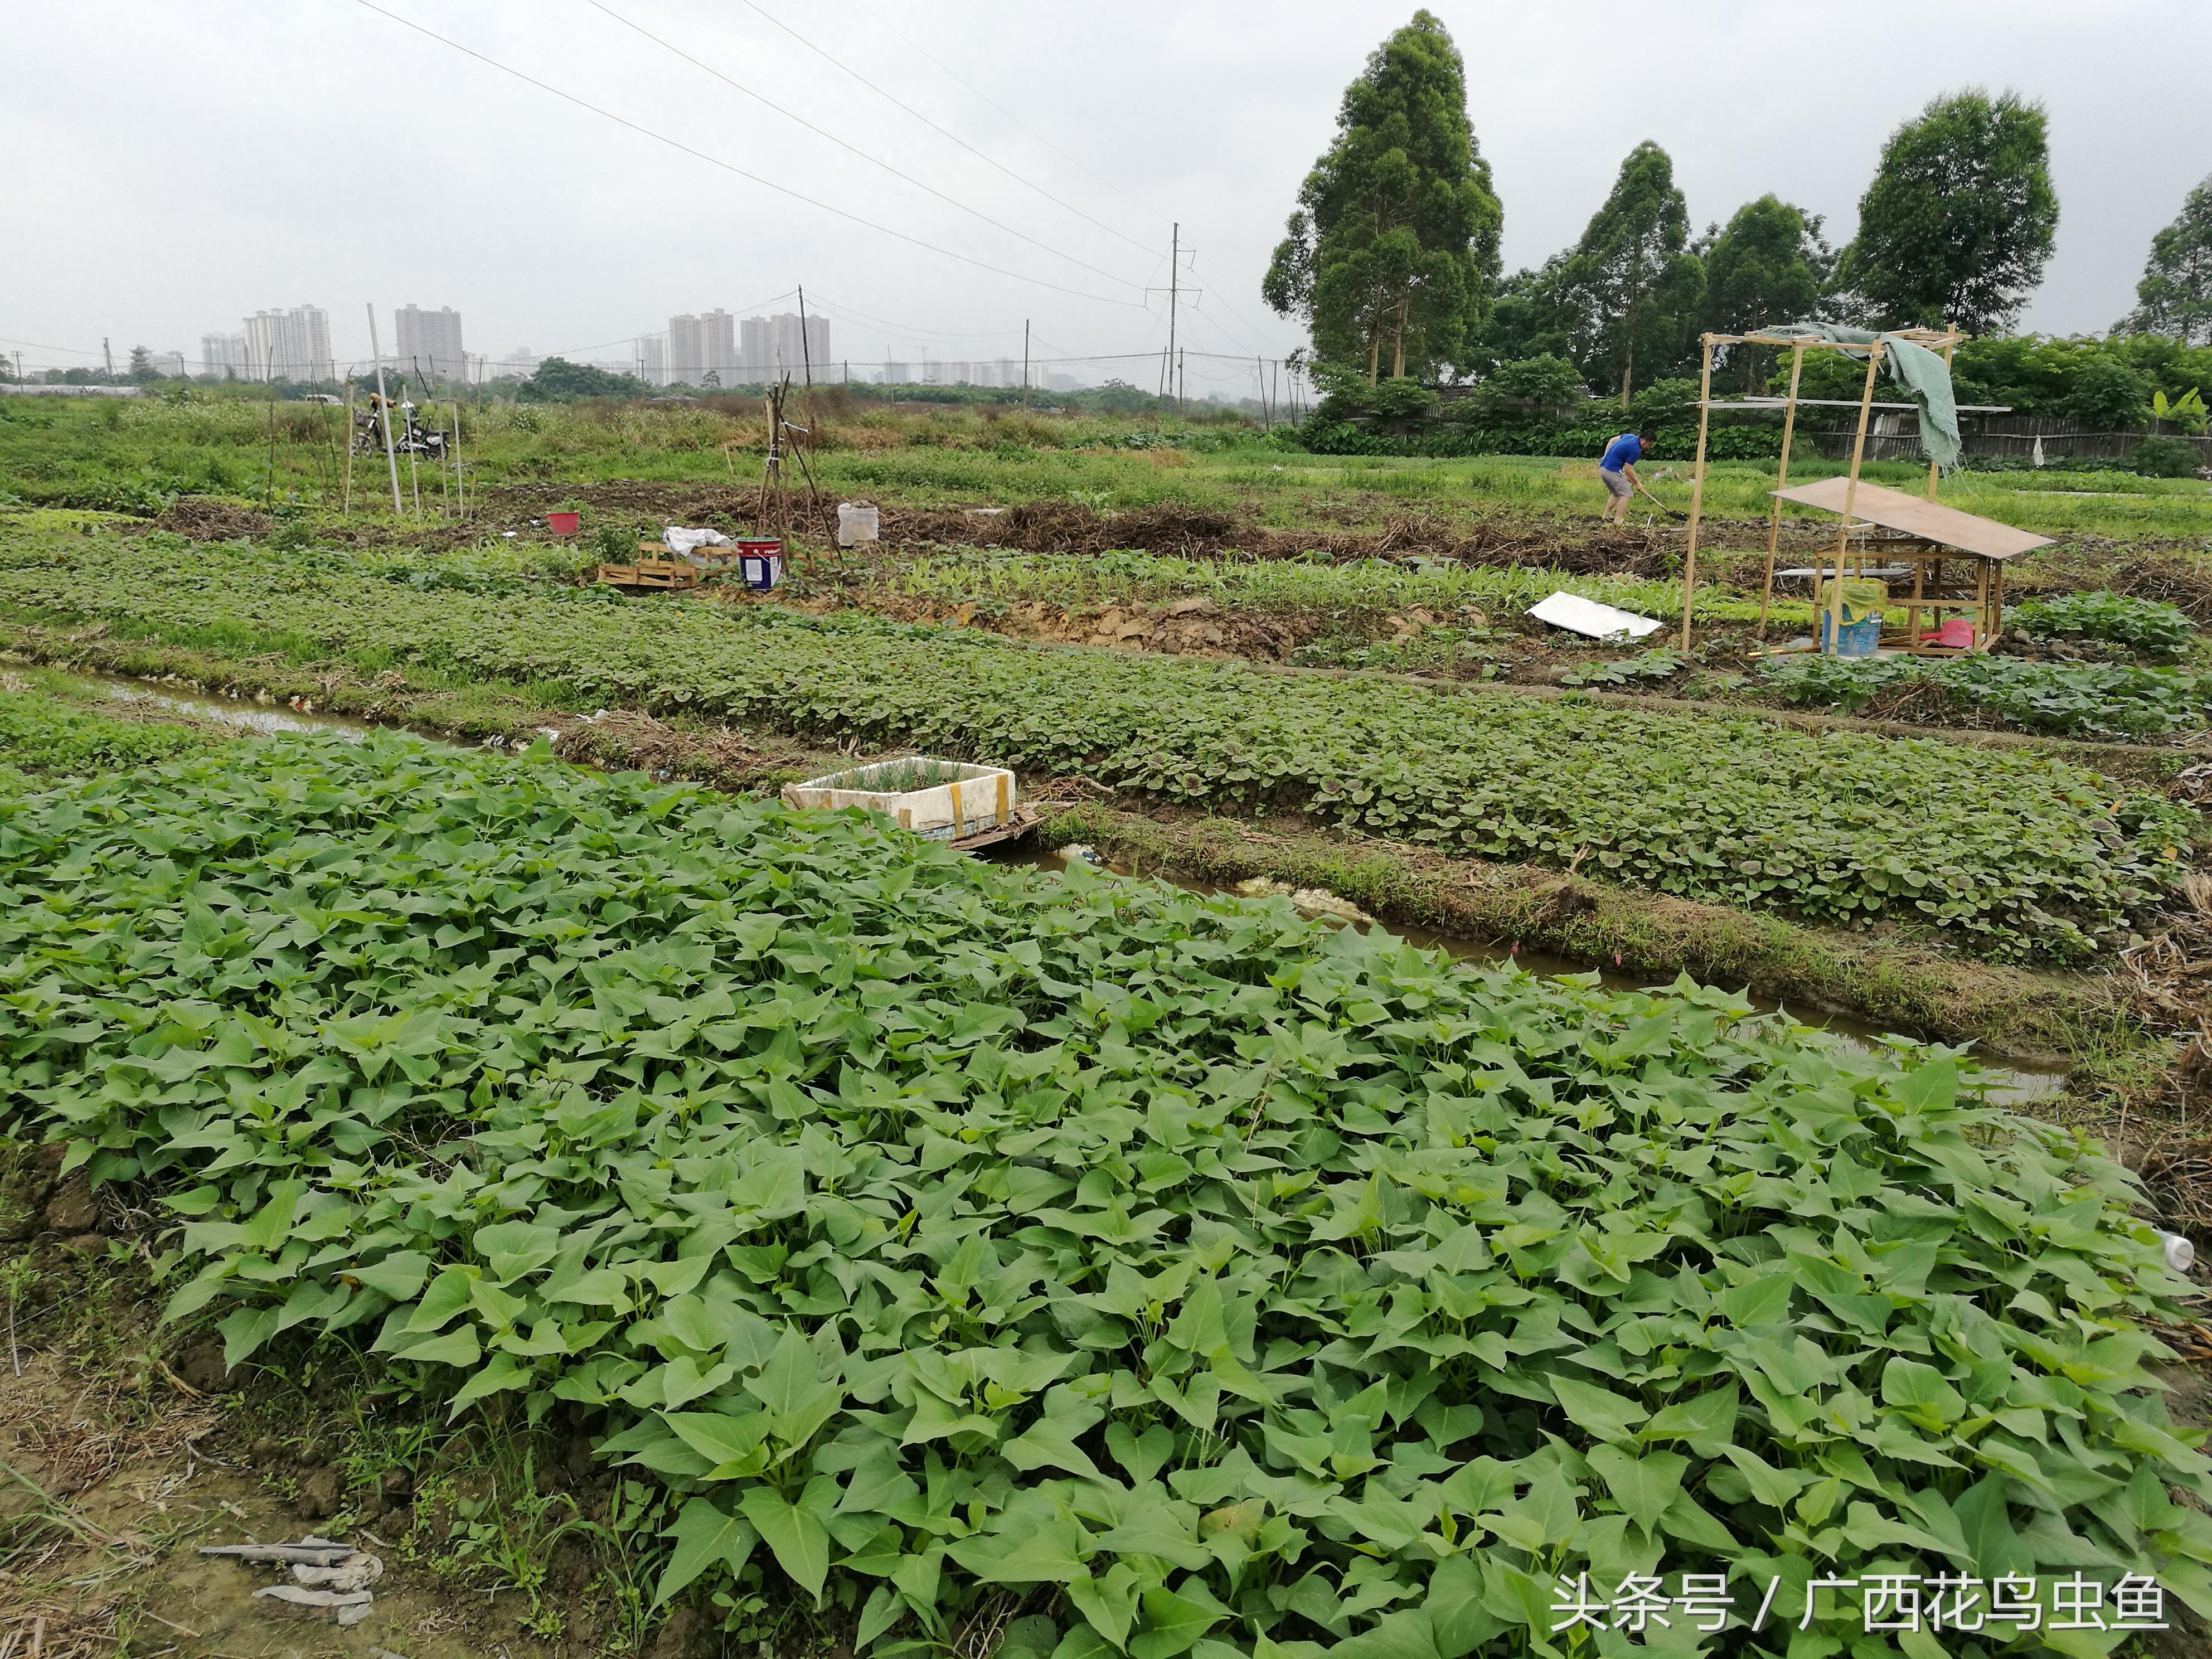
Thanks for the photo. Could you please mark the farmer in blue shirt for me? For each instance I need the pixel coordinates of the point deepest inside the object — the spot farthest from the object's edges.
(1618, 468)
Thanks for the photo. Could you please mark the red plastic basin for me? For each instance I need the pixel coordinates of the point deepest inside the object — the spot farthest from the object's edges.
(564, 524)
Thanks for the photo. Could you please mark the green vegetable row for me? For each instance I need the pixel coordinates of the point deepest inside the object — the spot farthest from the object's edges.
(953, 1243)
(2104, 700)
(2015, 855)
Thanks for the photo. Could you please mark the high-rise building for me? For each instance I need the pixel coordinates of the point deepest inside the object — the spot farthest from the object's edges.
(773, 347)
(687, 350)
(652, 359)
(431, 338)
(701, 345)
(756, 352)
(720, 329)
(289, 345)
(897, 373)
(223, 355)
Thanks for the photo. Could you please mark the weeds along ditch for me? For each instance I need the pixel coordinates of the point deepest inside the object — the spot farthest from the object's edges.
(2020, 857)
(962, 1252)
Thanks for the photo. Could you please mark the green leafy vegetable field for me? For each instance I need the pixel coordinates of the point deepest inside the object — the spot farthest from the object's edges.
(2015, 855)
(1159, 1274)
(41, 737)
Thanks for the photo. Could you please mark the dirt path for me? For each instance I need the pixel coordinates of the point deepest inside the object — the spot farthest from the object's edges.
(126, 1447)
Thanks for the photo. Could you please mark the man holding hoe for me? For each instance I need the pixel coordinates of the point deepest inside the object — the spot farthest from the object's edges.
(1617, 467)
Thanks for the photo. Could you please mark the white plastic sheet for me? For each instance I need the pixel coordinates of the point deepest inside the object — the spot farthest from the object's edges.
(1599, 621)
(682, 542)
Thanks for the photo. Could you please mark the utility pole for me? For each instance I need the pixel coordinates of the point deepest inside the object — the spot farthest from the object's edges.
(805, 350)
(1182, 387)
(108, 355)
(383, 412)
(1025, 362)
(1175, 271)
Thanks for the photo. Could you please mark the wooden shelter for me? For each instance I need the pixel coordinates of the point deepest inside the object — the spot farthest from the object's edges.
(1945, 340)
(1923, 537)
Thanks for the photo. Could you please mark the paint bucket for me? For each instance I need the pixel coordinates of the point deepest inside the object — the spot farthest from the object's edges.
(564, 524)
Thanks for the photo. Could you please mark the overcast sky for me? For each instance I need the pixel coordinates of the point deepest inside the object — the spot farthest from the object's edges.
(178, 163)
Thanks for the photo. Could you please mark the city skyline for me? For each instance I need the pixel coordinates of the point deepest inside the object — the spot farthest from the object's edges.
(431, 338)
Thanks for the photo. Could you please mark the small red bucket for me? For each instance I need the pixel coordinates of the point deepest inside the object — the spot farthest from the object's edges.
(564, 524)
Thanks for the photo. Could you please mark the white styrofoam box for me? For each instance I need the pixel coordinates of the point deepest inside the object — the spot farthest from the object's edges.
(968, 800)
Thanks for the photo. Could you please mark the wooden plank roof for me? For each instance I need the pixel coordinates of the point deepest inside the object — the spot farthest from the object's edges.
(1893, 509)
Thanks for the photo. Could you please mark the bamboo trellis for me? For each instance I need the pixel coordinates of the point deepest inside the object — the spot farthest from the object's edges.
(1945, 340)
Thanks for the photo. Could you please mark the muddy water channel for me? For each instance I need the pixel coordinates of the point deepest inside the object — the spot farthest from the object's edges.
(2023, 1080)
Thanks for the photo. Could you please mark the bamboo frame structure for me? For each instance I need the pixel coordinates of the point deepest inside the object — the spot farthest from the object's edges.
(1947, 340)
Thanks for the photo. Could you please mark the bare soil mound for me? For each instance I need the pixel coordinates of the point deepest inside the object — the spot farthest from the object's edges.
(206, 520)
(1073, 527)
(2182, 581)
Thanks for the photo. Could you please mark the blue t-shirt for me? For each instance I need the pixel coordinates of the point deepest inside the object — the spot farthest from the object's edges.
(1625, 451)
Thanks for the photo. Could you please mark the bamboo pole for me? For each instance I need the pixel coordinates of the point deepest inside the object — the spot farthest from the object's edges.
(346, 509)
(383, 413)
(1781, 482)
(414, 475)
(1697, 483)
(1850, 497)
(460, 482)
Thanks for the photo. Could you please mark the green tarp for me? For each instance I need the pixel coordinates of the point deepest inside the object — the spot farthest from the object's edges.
(1926, 377)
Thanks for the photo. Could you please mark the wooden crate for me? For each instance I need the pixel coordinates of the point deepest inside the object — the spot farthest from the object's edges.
(650, 573)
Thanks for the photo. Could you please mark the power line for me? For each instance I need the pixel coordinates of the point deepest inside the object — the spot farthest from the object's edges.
(913, 332)
(727, 167)
(1249, 329)
(892, 29)
(40, 345)
(670, 46)
(832, 58)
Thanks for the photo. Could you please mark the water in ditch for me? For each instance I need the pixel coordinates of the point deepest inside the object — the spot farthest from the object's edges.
(270, 719)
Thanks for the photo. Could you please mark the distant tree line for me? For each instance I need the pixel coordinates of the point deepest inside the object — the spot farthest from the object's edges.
(1391, 261)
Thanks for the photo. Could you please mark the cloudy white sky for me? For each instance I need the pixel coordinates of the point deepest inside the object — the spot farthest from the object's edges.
(178, 163)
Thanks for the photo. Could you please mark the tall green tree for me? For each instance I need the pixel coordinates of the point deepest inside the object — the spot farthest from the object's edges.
(1958, 223)
(1632, 282)
(1391, 257)
(2175, 295)
(1771, 265)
